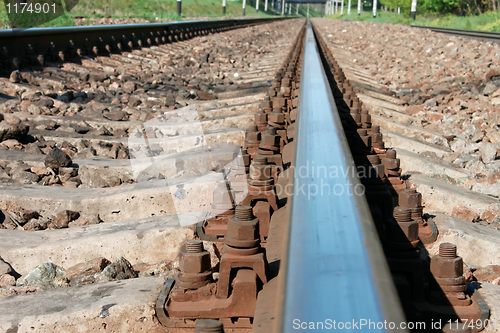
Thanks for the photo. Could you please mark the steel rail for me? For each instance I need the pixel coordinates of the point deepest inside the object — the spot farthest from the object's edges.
(334, 266)
(36, 46)
(489, 35)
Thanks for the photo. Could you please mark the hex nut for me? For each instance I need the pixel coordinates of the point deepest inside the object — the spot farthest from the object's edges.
(192, 263)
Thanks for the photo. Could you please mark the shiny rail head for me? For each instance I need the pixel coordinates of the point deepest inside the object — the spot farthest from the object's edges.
(335, 270)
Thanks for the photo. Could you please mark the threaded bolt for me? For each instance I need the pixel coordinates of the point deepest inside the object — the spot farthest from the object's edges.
(270, 130)
(362, 131)
(253, 128)
(244, 213)
(391, 153)
(260, 159)
(373, 159)
(402, 214)
(209, 326)
(447, 250)
(194, 246)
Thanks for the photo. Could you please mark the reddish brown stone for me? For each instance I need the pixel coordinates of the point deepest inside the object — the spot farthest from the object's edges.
(488, 273)
(414, 109)
(87, 268)
(464, 213)
(62, 219)
(205, 96)
(7, 280)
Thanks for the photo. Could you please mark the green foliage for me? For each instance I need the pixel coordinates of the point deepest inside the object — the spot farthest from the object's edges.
(489, 21)
(440, 6)
(149, 9)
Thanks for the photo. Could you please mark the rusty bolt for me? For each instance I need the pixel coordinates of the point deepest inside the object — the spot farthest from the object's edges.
(286, 81)
(365, 137)
(447, 264)
(402, 215)
(375, 166)
(377, 137)
(373, 159)
(246, 157)
(276, 84)
(243, 229)
(260, 117)
(277, 118)
(410, 198)
(195, 259)
(390, 161)
(209, 326)
(270, 138)
(267, 105)
(260, 172)
(279, 100)
(365, 118)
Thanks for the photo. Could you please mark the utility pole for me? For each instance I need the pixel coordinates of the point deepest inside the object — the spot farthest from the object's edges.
(223, 6)
(289, 9)
(349, 8)
(359, 7)
(341, 7)
(257, 5)
(179, 7)
(297, 13)
(265, 6)
(308, 10)
(283, 7)
(413, 9)
(374, 8)
(244, 5)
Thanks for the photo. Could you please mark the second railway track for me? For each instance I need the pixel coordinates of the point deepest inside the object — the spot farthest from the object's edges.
(309, 226)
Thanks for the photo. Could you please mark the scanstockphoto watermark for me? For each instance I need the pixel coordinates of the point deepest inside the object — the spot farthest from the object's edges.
(360, 324)
(316, 180)
(324, 187)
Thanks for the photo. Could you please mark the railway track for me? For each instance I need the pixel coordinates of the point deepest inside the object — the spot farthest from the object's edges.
(308, 224)
(481, 35)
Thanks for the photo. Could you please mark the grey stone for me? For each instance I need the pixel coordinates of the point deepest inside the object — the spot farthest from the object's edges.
(7, 221)
(488, 152)
(57, 158)
(15, 77)
(40, 223)
(34, 109)
(431, 102)
(120, 269)
(9, 131)
(85, 219)
(115, 115)
(489, 88)
(463, 159)
(5, 267)
(26, 177)
(43, 277)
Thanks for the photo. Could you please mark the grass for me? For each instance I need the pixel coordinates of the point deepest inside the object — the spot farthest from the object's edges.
(152, 10)
(486, 22)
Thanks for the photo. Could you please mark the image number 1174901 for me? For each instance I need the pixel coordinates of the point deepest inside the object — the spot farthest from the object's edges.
(22, 7)
(24, 14)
